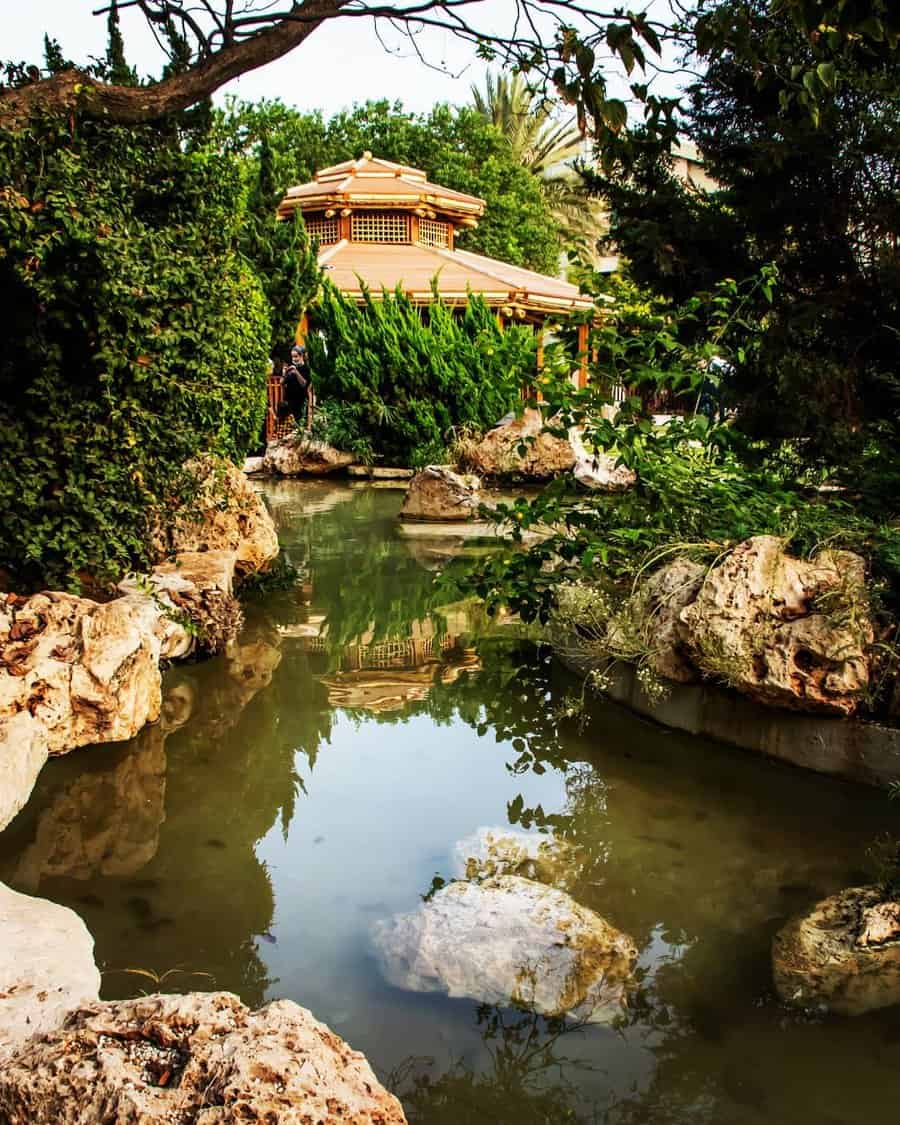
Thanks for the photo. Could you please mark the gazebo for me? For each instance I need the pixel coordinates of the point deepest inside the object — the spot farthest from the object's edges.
(382, 225)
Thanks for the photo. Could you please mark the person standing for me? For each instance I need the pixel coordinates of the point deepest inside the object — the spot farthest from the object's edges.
(299, 394)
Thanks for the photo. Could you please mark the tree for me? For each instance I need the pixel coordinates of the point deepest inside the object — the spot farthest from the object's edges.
(809, 185)
(545, 146)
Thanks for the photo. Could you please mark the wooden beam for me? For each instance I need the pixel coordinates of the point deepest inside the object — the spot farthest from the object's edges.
(582, 356)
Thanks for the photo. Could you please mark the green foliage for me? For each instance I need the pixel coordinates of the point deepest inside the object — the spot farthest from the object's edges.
(136, 337)
(280, 251)
(406, 378)
(455, 147)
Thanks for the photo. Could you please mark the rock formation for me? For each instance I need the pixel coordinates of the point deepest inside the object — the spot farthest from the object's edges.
(299, 456)
(46, 968)
(844, 954)
(439, 495)
(498, 454)
(785, 631)
(598, 471)
(227, 514)
(656, 608)
(201, 1058)
(510, 941)
(23, 752)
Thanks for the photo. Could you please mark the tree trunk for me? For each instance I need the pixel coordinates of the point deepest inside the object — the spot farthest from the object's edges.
(74, 91)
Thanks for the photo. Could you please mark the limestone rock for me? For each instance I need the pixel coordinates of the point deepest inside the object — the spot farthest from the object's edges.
(510, 940)
(227, 515)
(202, 1058)
(194, 602)
(297, 455)
(497, 454)
(86, 672)
(598, 471)
(844, 954)
(46, 968)
(785, 631)
(658, 604)
(490, 852)
(253, 465)
(438, 494)
(23, 752)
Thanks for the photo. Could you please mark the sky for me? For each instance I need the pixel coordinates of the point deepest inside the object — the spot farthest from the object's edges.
(341, 63)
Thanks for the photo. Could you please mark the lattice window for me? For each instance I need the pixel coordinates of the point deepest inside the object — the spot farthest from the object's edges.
(325, 230)
(434, 233)
(377, 226)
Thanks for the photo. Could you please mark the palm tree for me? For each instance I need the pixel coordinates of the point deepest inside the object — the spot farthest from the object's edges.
(545, 146)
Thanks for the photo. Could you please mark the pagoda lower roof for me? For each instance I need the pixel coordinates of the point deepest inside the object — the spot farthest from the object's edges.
(414, 268)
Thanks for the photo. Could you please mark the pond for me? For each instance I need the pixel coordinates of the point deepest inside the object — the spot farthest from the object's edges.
(316, 779)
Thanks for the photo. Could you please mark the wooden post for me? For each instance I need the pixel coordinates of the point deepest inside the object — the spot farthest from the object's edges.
(582, 356)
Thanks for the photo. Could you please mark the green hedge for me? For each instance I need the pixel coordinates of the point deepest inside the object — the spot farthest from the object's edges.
(398, 381)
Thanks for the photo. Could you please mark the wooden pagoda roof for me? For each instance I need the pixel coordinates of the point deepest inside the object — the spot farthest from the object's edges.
(413, 267)
(376, 183)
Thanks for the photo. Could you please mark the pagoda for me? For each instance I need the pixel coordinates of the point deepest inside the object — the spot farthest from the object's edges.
(386, 225)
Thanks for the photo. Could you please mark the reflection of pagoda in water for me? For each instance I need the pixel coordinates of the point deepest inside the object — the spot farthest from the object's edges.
(387, 674)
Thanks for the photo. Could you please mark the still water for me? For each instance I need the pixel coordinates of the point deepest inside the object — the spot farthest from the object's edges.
(316, 779)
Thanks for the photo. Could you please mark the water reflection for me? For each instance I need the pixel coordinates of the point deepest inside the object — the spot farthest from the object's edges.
(316, 777)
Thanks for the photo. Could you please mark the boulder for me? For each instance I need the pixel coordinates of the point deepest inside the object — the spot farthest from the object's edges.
(253, 465)
(843, 955)
(658, 605)
(784, 631)
(86, 672)
(194, 599)
(598, 471)
(490, 852)
(497, 454)
(202, 1058)
(227, 514)
(510, 941)
(46, 968)
(438, 494)
(298, 456)
(23, 752)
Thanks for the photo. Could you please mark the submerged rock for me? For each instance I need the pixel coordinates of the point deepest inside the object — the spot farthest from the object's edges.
(510, 941)
(785, 631)
(202, 1058)
(227, 514)
(297, 455)
(437, 493)
(844, 954)
(498, 454)
(46, 968)
(490, 852)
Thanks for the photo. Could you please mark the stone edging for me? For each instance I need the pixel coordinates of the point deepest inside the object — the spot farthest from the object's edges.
(855, 751)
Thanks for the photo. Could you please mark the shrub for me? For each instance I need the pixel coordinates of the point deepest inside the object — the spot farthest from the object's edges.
(135, 338)
(407, 378)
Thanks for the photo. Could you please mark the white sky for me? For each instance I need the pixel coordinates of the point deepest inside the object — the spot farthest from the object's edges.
(341, 63)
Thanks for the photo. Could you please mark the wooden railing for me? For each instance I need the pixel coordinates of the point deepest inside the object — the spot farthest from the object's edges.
(277, 427)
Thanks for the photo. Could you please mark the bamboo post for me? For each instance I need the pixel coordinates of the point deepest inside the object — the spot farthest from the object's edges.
(582, 356)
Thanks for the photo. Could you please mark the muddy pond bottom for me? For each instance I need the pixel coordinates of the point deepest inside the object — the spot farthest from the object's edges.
(309, 787)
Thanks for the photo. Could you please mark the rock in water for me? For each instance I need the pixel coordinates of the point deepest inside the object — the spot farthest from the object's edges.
(490, 852)
(784, 631)
(300, 456)
(227, 514)
(844, 954)
(599, 471)
(498, 453)
(203, 1058)
(46, 968)
(510, 941)
(437, 493)
(657, 607)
